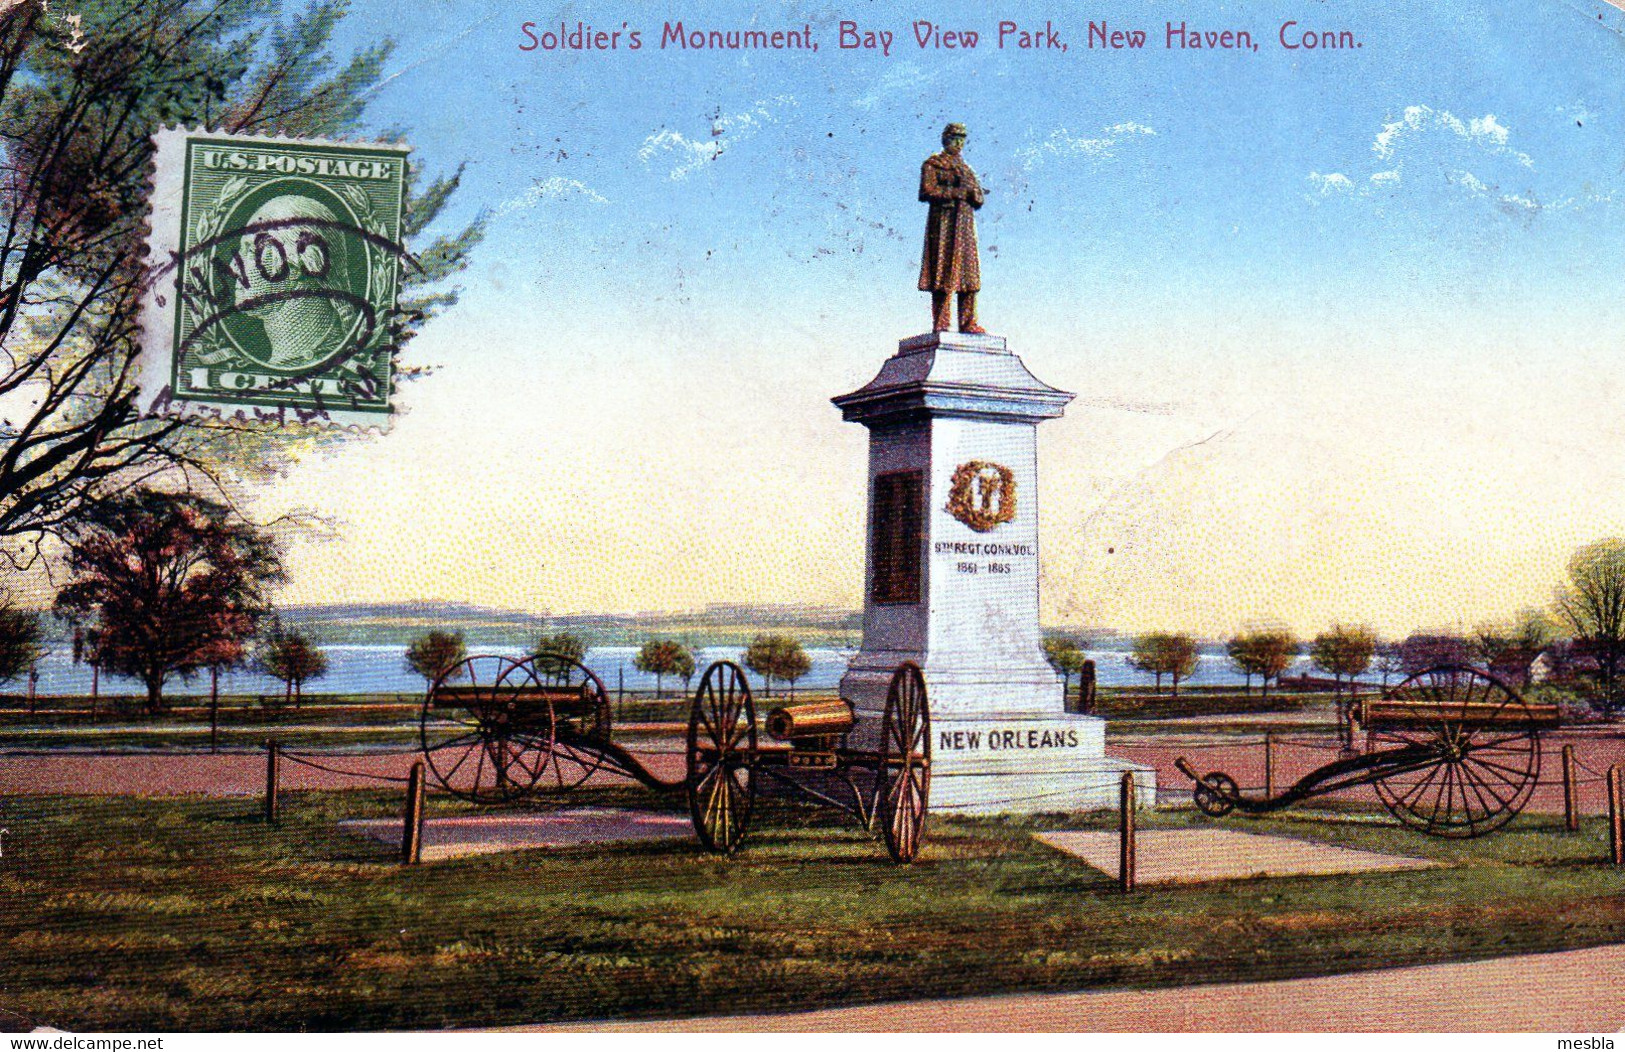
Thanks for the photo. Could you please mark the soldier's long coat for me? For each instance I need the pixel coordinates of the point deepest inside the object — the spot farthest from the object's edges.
(950, 263)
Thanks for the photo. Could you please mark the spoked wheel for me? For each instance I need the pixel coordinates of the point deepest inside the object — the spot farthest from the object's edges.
(1215, 794)
(486, 736)
(905, 763)
(1478, 747)
(721, 757)
(580, 705)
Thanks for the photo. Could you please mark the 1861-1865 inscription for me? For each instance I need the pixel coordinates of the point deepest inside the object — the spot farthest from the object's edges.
(898, 519)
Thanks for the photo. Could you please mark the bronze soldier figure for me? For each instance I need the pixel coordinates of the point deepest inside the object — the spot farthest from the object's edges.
(950, 264)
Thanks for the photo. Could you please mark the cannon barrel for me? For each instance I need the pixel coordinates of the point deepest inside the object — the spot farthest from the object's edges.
(810, 720)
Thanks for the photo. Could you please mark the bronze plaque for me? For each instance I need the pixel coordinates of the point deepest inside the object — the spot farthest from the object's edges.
(895, 522)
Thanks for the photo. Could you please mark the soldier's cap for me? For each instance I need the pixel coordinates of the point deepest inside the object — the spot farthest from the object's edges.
(955, 129)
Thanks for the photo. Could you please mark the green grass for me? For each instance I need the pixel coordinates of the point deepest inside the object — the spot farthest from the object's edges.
(132, 914)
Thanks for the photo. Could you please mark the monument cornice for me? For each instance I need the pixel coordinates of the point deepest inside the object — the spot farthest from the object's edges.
(953, 374)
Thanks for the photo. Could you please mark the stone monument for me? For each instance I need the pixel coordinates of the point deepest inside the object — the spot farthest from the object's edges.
(952, 569)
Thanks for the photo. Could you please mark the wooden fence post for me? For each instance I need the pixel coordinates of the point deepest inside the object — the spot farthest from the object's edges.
(1269, 763)
(1125, 833)
(273, 765)
(1571, 813)
(1616, 815)
(412, 834)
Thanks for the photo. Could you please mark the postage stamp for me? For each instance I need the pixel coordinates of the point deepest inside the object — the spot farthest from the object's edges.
(275, 266)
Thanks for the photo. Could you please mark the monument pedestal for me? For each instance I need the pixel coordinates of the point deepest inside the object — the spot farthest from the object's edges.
(952, 580)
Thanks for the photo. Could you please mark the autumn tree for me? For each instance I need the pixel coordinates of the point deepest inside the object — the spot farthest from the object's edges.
(167, 581)
(664, 657)
(83, 87)
(436, 652)
(289, 655)
(549, 649)
(1165, 654)
(1591, 604)
(1065, 654)
(1276, 649)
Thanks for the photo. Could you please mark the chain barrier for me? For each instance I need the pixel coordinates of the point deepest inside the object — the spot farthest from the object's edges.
(296, 758)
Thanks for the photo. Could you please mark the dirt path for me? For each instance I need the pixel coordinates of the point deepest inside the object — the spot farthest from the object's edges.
(242, 773)
(1574, 992)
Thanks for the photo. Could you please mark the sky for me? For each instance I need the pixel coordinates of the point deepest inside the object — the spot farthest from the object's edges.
(1343, 324)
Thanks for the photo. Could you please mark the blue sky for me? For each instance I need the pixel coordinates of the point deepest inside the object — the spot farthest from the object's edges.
(1391, 271)
(596, 162)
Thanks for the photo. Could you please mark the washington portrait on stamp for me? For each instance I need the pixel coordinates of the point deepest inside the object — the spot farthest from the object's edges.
(274, 266)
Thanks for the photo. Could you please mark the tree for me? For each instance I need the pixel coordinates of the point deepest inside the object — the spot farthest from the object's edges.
(1275, 649)
(1244, 657)
(1508, 649)
(289, 655)
(83, 87)
(436, 652)
(1421, 651)
(773, 656)
(1065, 655)
(560, 645)
(1165, 654)
(22, 641)
(168, 581)
(793, 663)
(22, 646)
(1591, 603)
(1388, 660)
(1344, 651)
(662, 658)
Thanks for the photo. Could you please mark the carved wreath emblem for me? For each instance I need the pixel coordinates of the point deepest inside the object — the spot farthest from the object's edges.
(983, 495)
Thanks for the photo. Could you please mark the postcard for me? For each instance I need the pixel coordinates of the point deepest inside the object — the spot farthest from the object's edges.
(780, 517)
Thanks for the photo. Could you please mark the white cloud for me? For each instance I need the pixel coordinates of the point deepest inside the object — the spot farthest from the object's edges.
(1475, 157)
(1062, 143)
(545, 189)
(687, 154)
(900, 79)
(1331, 183)
(1486, 133)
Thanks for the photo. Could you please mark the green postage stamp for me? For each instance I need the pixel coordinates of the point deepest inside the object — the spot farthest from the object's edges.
(274, 269)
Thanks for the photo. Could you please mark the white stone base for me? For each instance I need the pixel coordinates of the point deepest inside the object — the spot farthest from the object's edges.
(1000, 765)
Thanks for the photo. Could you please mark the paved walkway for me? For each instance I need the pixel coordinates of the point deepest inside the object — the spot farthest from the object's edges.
(1577, 992)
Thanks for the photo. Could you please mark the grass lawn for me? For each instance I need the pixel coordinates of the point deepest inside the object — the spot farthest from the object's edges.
(134, 914)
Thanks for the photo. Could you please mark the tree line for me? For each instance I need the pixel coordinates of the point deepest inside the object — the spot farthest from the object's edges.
(1578, 644)
(770, 655)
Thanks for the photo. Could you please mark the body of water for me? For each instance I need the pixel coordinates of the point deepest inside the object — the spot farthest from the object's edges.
(374, 669)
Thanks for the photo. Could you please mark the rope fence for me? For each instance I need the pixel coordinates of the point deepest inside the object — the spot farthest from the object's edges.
(1569, 778)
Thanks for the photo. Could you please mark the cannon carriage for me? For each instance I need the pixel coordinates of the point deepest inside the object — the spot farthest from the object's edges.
(499, 730)
(1451, 751)
(880, 775)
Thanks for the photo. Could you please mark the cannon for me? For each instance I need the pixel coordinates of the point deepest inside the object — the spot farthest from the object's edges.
(499, 730)
(884, 777)
(1451, 751)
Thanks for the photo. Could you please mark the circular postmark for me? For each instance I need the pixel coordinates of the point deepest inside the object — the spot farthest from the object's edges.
(297, 273)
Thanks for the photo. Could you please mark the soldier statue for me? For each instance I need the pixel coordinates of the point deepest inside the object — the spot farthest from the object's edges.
(950, 265)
